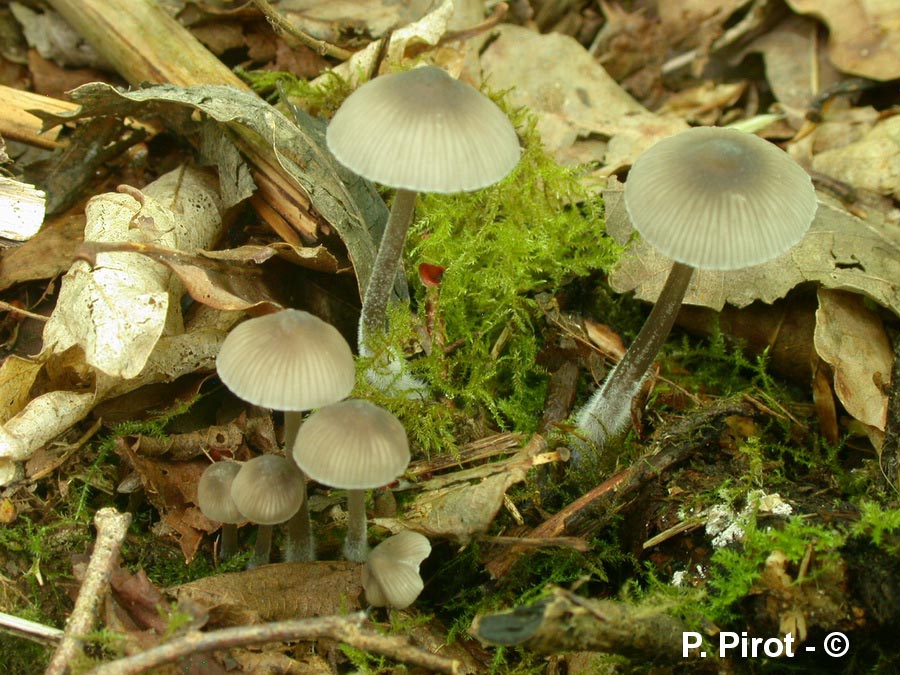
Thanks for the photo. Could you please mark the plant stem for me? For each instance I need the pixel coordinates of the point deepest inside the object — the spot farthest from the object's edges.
(263, 549)
(299, 542)
(229, 541)
(374, 309)
(356, 546)
(606, 414)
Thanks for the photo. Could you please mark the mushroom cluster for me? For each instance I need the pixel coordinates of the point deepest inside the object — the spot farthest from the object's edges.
(294, 362)
(710, 199)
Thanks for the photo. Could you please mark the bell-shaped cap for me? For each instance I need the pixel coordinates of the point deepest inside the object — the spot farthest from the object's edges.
(425, 131)
(214, 493)
(719, 199)
(391, 574)
(388, 583)
(290, 360)
(268, 490)
(352, 445)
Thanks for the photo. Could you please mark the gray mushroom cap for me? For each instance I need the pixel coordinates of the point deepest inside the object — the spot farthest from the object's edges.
(268, 490)
(214, 493)
(719, 199)
(290, 360)
(352, 445)
(422, 130)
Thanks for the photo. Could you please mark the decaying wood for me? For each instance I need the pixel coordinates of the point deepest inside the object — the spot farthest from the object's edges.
(17, 124)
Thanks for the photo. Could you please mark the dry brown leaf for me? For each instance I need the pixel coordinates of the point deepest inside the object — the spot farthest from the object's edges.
(864, 34)
(583, 114)
(277, 592)
(851, 338)
(872, 162)
(839, 251)
(458, 512)
(46, 255)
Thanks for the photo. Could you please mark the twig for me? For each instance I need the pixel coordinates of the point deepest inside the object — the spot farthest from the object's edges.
(12, 309)
(111, 528)
(283, 28)
(37, 632)
(344, 629)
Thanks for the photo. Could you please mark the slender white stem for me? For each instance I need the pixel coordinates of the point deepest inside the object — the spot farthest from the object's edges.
(384, 271)
(229, 541)
(356, 546)
(300, 545)
(263, 549)
(606, 414)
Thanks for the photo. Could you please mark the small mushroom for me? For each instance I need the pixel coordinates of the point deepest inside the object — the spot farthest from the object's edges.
(356, 446)
(214, 500)
(291, 361)
(390, 576)
(268, 490)
(712, 199)
(417, 131)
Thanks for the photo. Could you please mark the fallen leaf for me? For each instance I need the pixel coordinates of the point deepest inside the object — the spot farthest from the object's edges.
(864, 35)
(277, 592)
(45, 255)
(871, 162)
(851, 338)
(583, 114)
(839, 251)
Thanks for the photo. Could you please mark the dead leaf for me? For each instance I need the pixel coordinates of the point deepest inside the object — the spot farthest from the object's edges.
(277, 592)
(46, 255)
(839, 251)
(583, 114)
(864, 35)
(851, 338)
(460, 511)
(118, 309)
(872, 162)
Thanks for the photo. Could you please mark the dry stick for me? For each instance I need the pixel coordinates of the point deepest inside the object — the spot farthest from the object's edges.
(111, 529)
(344, 629)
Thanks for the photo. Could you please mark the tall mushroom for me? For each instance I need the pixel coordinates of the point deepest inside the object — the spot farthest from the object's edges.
(291, 361)
(356, 446)
(417, 131)
(710, 199)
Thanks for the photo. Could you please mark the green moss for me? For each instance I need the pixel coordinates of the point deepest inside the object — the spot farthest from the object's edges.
(533, 232)
(322, 100)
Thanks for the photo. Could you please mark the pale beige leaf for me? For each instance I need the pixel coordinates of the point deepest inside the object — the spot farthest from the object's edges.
(864, 35)
(871, 163)
(851, 338)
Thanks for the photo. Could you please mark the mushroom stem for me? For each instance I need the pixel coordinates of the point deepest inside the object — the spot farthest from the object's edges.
(263, 549)
(606, 414)
(229, 541)
(356, 546)
(384, 271)
(299, 543)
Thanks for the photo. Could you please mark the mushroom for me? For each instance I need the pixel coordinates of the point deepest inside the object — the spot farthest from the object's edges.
(390, 576)
(268, 490)
(214, 500)
(356, 446)
(291, 361)
(710, 199)
(417, 131)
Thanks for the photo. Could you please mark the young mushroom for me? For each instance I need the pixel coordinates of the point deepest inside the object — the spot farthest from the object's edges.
(710, 199)
(417, 131)
(356, 446)
(390, 576)
(291, 361)
(268, 490)
(214, 500)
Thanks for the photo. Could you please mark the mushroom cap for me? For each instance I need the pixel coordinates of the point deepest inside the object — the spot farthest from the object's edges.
(268, 489)
(407, 546)
(719, 199)
(290, 360)
(214, 493)
(352, 445)
(423, 130)
(391, 583)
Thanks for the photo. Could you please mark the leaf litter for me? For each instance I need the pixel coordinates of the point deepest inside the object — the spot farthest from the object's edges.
(666, 63)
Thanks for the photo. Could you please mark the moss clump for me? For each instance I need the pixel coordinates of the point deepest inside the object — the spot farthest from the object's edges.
(533, 232)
